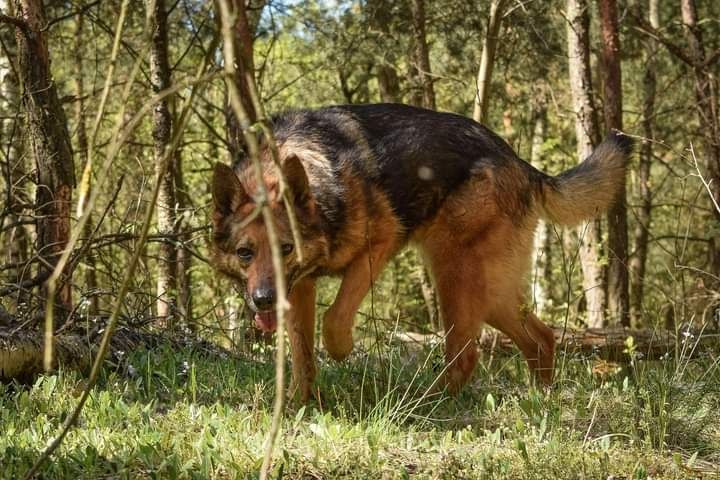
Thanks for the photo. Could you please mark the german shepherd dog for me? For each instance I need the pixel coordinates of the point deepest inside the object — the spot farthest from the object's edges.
(368, 179)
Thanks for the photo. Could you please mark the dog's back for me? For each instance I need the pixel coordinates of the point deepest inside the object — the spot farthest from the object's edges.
(419, 157)
(416, 157)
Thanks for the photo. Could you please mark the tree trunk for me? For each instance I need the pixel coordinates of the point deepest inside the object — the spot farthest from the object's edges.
(184, 258)
(244, 64)
(586, 131)
(639, 260)
(422, 55)
(82, 149)
(487, 60)
(706, 90)
(16, 239)
(542, 270)
(388, 84)
(379, 15)
(617, 273)
(162, 129)
(50, 144)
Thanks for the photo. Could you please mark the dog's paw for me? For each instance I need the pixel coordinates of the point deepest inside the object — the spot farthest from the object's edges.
(338, 341)
(297, 394)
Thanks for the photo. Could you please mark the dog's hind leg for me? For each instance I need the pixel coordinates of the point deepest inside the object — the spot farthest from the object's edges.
(534, 339)
(510, 314)
(301, 330)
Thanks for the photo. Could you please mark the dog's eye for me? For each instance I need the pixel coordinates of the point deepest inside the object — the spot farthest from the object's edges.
(245, 254)
(287, 249)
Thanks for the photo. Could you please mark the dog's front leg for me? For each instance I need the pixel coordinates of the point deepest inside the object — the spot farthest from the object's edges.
(301, 329)
(358, 278)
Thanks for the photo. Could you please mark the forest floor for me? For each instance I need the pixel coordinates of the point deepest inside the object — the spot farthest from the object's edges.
(191, 414)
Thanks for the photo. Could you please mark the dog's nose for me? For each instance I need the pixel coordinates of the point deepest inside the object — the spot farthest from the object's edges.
(264, 298)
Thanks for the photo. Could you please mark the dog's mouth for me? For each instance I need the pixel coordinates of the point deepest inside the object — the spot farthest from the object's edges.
(266, 321)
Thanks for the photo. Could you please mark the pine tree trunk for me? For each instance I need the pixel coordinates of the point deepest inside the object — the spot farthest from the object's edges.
(16, 239)
(245, 26)
(540, 275)
(50, 144)
(617, 273)
(706, 91)
(379, 13)
(641, 234)
(162, 129)
(487, 60)
(422, 55)
(184, 258)
(586, 131)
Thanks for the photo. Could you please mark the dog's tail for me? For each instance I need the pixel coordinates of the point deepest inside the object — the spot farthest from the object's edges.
(589, 188)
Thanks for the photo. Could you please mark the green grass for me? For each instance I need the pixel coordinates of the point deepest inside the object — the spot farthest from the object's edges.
(189, 414)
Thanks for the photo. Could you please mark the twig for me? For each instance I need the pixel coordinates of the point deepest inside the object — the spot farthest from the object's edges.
(19, 23)
(280, 286)
(27, 284)
(644, 27)
(705, 183)
(78, 11)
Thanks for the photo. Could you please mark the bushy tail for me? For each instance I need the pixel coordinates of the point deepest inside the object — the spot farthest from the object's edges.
(590, 188)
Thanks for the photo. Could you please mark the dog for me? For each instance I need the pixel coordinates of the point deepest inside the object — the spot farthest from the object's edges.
(366, 180)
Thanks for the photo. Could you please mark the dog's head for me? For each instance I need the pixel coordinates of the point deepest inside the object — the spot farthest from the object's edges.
(241, 247)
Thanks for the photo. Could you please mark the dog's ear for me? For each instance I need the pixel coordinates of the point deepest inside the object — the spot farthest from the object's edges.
(297, 180)
(227, 191)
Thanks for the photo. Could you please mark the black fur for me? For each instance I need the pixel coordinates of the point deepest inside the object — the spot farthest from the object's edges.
(624, 142)
(417, 156)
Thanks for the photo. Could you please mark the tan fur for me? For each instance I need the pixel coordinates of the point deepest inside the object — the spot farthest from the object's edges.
(479, 257)
(477, 246)
(301, 330)
(589, 191)
(378, 240)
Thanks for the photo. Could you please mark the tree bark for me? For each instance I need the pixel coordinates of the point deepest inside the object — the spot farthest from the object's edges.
(487, 60)
(16, 239)
(162, 129)
(422, 55)
(388, 83)
(617, 273)
(21, 353)
(609, 344)
(244, 31)
(641, 234)
(706, 91)
(50, 144)
(379, 16)
(542, 271)
(184, 258)
(586, 131)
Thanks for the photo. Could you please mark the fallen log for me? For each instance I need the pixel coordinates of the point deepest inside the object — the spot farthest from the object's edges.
(21, 352)
(610, 344)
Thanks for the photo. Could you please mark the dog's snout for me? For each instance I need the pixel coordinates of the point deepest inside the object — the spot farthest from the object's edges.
(264, 298)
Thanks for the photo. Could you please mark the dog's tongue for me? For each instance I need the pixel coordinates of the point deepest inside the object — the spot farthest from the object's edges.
(266, 321)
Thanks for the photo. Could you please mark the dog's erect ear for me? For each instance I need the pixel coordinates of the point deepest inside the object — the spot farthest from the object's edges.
(297, 179)
(227, 191)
